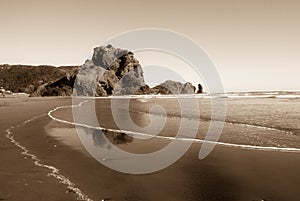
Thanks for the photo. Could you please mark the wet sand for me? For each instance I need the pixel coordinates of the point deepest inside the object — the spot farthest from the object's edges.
(20, 179)
(226, 174)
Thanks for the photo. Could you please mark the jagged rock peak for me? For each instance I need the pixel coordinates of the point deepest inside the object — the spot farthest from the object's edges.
(105, 56)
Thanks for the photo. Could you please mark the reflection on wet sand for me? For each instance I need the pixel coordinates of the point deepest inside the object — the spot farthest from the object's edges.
(100, 137)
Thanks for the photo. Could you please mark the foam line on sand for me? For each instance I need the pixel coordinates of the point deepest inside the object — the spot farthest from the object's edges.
(54, 172)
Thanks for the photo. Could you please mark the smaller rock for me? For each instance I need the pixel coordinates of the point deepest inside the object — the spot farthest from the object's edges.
(200, 89)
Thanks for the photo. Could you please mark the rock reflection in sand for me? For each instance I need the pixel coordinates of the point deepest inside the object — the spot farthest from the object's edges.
(114, 137)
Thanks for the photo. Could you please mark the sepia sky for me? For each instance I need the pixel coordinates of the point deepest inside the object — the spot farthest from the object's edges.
(255, 44)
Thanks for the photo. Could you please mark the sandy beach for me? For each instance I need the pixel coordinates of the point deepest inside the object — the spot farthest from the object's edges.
(228, 173)
(21, 179)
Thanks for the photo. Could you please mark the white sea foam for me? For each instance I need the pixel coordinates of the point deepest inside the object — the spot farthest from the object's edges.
(243, 146)
(260, 127)
(250, 94)
(288, 96)
(54, 172)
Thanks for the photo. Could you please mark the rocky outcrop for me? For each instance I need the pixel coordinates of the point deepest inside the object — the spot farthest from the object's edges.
(116, 71)
(168, 87)
(177, 87)
(110, 71)
(200, 89)
(59, 87)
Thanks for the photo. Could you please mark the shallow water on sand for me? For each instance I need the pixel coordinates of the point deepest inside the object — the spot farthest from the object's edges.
(259, 122)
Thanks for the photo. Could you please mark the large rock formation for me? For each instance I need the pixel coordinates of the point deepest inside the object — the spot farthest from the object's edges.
(110, 71)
